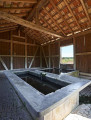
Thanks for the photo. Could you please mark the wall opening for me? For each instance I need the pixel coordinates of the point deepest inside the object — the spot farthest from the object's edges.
(67, 55)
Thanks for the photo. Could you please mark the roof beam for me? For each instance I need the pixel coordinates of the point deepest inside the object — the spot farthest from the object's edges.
(51, 1)
(14, 8)
(54, 21)
(72, 14)
(24, 1)
(87, 14)
(26, 23)
(7, 24)
(38, 6)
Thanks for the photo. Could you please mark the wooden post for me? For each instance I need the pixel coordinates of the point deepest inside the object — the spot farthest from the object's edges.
(25, 52)
(11, 52)
(74, 46)
(49, 57)
(40, 57)
(59, 53)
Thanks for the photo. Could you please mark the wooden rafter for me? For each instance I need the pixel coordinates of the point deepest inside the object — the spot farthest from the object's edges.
(46, 22)
(26, 23)
(14, 8)
(86, 12)
(72, 13)
(53, 21)
(24, 1)
(51, 1)
(38, 5)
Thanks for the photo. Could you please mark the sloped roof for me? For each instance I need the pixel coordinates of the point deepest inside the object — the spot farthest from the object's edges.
(65, 17)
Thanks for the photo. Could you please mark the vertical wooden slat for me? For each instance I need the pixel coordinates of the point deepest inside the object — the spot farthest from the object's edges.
(11, 53)
(74, 46)
(40, 57)
(25, 52)
(59, 53)
(49, 57)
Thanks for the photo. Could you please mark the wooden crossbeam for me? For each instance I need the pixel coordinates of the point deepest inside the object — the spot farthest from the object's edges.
(72, 14)
(24, 1)
(8, 29)
(86, 12)
(7, 25)
(3, 63)
(26, 23)
(14, 8)
(33, 57)
(38, 5)
(51, 1)
(54, 21)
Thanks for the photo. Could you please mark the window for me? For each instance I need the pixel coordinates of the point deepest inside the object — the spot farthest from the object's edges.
(66, 54)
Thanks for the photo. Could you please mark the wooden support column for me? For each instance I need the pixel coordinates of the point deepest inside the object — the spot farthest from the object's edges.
(59, 53)
(49, 57)
(11, 52)
(25, 52)
(40, 57)
(74, 46)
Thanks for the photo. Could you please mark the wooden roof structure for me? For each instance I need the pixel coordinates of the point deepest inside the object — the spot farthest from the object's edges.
(46, 20)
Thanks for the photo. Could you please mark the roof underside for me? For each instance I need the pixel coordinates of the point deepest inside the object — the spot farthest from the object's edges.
(65, 17)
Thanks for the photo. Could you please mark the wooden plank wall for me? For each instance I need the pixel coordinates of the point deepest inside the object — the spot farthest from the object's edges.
(83, 53)
(52, 55)
(17, 50)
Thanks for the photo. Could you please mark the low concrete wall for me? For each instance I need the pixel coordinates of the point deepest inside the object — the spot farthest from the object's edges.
(60, 112)
(54, 106)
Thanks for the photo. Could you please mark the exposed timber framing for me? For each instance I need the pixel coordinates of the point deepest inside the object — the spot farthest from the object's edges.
(44, 56)
(11, 52)
(52, 2)
(24, 1)
(72, 14)
(40, 57)
(74, 49)
(3, 63)
(38, 5)
(14, 8)
(54, 21)
(8, 29)
(49, 56)
(86, 12)
(85, 53)
(17, 42)
(18, 36)
(26, 23)
(25, 52)
(59, 53)
(33, 57)
(70, 37)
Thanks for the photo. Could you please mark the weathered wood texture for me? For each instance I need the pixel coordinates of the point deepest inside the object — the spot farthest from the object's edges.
(83, 53)
(18, 50)
(53, 57)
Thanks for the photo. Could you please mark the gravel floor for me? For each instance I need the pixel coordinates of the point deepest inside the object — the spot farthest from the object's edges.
(83, 111)
(11, 107)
